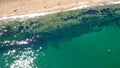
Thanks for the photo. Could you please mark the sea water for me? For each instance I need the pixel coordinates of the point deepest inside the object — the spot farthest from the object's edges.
(96, 50)
(74, 39)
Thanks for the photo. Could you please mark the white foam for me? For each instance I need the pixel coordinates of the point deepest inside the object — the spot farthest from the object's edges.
(32, 15)
(22, 42)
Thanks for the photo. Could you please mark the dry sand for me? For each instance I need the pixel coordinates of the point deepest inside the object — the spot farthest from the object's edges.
(21, 7)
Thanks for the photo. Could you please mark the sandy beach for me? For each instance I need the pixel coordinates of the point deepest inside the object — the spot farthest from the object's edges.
(23, 7)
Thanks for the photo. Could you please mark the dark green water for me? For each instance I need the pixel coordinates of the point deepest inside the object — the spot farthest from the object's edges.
(88, 38)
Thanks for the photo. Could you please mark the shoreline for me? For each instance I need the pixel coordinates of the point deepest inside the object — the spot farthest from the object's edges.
(32, 15)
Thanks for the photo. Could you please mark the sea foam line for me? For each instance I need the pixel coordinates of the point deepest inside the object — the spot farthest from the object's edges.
(32, 15)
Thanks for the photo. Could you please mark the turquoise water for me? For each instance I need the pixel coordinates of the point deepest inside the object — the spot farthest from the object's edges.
(93, 50)
(87, 38)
